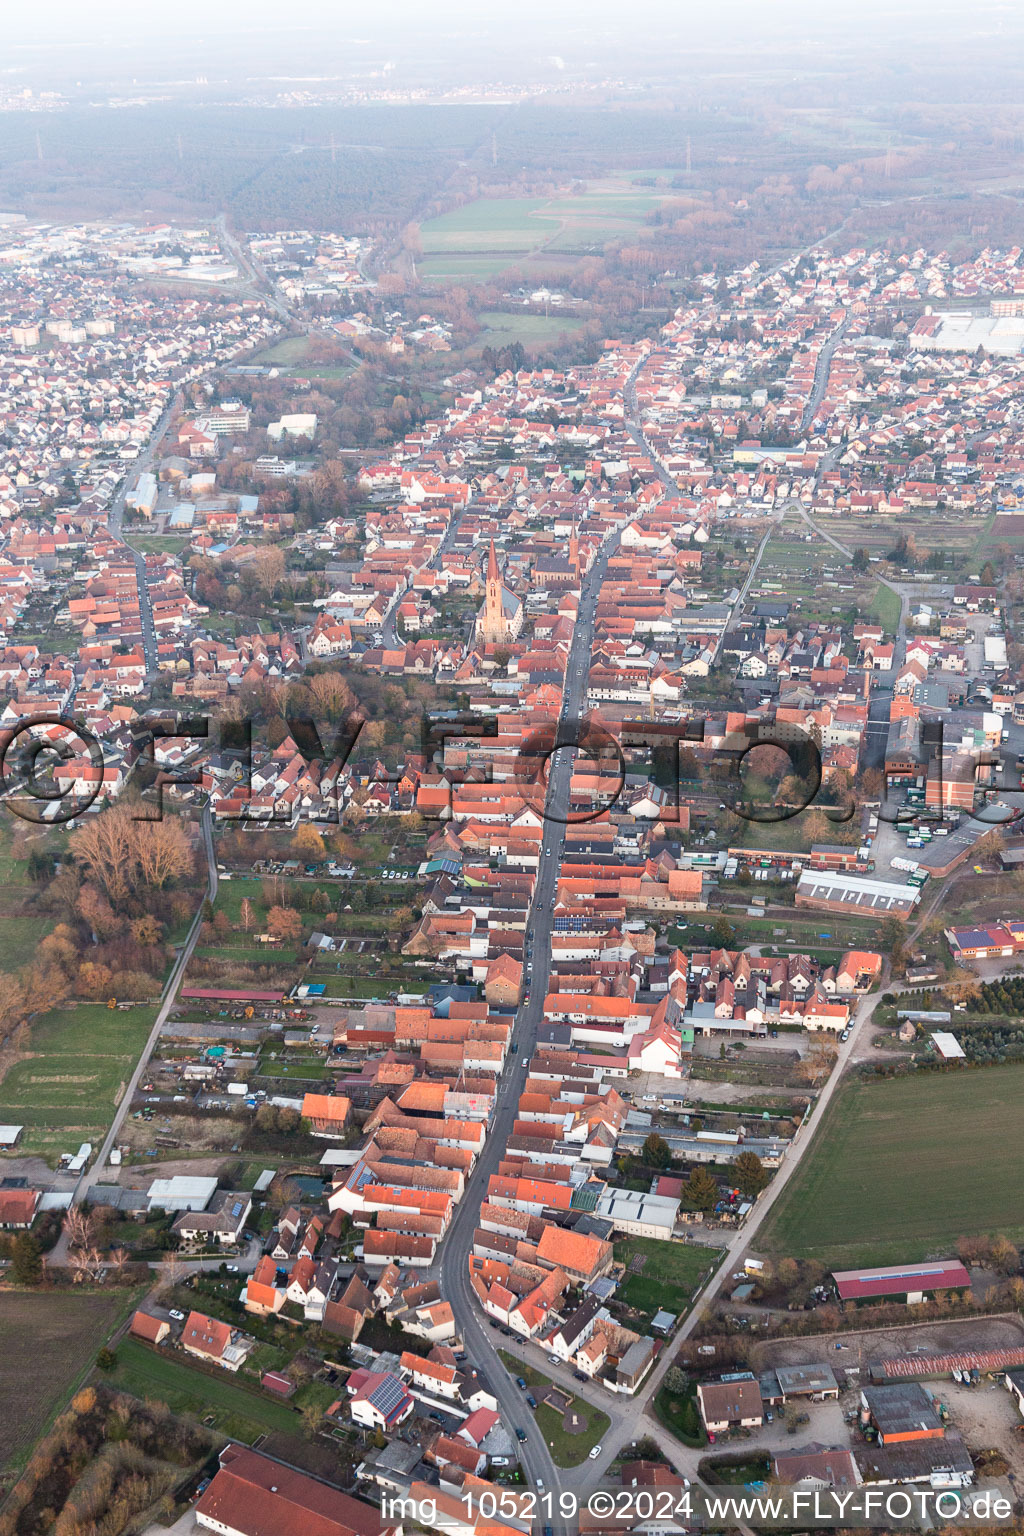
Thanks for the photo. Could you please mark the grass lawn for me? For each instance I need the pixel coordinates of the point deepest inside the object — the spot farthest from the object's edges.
(500, 328)
(884, 608)
(69, 1087)
(902, 1168)
(237, 1411)
(671, 1274)
(681, 1415)
(284, 353)
(48, 1340)
(19, 937)
(566, 1450)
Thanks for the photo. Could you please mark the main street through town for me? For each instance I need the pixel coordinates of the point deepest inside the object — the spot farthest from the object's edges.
(115, 521)
(480, 1341)
(631, 1418)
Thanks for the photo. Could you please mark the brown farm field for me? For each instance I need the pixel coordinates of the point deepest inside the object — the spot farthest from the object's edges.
(48, 1342)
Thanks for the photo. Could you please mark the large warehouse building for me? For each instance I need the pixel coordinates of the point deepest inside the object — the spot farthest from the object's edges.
(905, 1282)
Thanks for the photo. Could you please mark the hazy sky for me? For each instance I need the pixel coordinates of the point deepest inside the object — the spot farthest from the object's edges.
(107, 42)
(53, 22)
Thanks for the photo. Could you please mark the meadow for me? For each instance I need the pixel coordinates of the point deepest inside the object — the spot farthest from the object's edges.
(501, 328)
(242, 1413)
(902, 1168)
(65, 1091)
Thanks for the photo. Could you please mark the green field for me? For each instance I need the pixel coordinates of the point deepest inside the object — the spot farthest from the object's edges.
(291, 355)
(500, 329)
(282, 354)
(47, 1342)
(485, 237)
(884, 608)
(669, 1277)
(19, 937)
(456, 267)
(68, 1088)
(903, 1167)
(237, 1411)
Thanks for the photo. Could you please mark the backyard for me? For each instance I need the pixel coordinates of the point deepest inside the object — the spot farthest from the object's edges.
(236, 1411)
(903, 1167)
(660, 1274)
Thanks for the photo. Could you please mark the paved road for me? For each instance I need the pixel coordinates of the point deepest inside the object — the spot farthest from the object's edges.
(821, 369)
(95, 1173)
(389, 628)
(115, 520)
(481, 1341)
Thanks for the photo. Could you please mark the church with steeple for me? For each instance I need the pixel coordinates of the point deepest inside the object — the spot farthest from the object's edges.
(501, 617)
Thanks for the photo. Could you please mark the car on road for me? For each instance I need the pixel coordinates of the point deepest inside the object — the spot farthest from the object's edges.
(232, 1269)
(179, 1317)
(595, 1453)
(521, 1436)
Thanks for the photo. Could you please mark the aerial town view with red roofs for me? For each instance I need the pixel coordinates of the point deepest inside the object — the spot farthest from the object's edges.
(512, 751)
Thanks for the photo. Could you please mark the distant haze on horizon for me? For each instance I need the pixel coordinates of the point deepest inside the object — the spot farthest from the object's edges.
(241, 38)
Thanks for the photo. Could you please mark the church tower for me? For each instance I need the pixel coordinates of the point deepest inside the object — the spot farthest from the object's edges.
(501, 617)
(574, 552)
(494, 620)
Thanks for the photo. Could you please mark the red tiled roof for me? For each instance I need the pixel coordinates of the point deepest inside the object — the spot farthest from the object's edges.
(260, 1497)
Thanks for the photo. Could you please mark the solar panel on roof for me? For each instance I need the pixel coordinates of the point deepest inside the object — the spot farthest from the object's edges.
(388, 1395)
(236, 1209)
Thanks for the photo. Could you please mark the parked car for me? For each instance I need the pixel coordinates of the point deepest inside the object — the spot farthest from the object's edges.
(531, 1399)
(179, 1317)
(521, 1383)
(554, 1360)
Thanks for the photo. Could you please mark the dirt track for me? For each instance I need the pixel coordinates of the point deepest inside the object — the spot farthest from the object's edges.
(1003, 1331)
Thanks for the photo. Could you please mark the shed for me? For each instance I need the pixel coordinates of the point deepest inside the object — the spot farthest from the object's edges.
(145, 1326)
